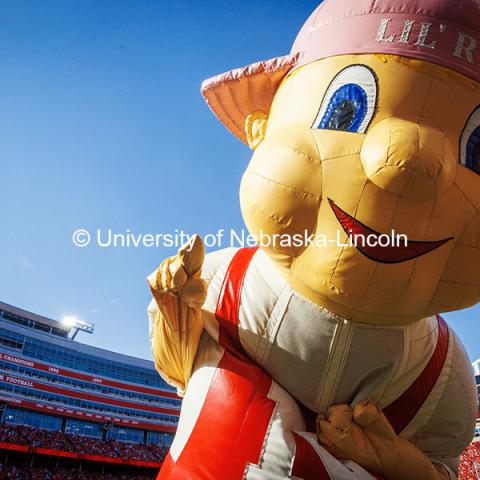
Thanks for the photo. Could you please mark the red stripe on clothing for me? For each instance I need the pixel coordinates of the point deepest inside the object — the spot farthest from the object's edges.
(307, 464)
(231, 428)
(228, 305)
(233, 423)
(403, 409)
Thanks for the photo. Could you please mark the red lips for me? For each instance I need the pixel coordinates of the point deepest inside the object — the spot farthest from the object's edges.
(397, 252)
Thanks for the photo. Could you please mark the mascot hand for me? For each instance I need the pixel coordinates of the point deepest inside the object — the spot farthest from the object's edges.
(180, 275)
(175, 317)
(365, 436)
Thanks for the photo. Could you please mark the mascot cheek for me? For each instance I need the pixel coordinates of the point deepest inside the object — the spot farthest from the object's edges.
(459, 285)
(280, 192)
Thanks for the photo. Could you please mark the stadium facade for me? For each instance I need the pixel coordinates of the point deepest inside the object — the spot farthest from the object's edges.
(49, 381)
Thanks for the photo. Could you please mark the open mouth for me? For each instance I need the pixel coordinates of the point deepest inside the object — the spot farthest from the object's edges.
(380, 247)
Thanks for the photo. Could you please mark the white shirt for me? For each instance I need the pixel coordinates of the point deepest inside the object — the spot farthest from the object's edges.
(323, 360)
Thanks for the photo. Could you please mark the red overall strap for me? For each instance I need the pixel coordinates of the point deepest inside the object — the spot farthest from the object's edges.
(401, 411)
(228, 304)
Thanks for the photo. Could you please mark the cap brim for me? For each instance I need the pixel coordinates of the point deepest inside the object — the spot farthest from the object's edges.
(232, 96)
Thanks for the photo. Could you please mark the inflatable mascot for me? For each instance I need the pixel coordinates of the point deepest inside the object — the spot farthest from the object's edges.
(326, 358)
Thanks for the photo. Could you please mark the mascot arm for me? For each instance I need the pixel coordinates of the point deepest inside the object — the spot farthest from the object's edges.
(364, 435)
(175, 313)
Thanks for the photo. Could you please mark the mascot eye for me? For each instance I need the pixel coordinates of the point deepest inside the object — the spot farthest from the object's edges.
(470, 143)
(350, 100)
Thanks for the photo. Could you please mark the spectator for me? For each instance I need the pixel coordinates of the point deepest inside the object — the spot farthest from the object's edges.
(469, 467)
(25, 472)
(54, 440)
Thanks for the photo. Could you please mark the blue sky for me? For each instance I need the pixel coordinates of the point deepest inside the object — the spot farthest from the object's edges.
(102, 126)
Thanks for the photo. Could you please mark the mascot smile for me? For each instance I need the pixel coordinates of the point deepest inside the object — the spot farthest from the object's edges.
(308, 361)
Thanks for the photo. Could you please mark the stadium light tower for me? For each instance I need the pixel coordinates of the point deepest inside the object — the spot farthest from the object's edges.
(73, 323)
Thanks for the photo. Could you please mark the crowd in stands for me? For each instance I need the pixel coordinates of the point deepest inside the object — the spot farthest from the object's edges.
(469, 467)
(38, 438)
(130, 450)
(24, 472)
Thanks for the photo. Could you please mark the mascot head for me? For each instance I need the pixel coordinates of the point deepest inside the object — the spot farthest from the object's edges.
(367, 156)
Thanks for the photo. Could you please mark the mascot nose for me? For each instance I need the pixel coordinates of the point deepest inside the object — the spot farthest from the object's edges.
(409, 159)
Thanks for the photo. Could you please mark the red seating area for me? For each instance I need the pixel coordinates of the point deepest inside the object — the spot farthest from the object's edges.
(38, 438)
(24, 472)
(35, 437)
(470, 463)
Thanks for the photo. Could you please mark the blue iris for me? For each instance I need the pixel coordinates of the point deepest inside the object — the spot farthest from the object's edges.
(473, 151)
(346, 110)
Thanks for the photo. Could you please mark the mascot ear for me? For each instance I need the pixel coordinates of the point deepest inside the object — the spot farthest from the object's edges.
(256, 128)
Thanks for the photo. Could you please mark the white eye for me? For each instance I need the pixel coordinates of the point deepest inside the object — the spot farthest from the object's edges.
(350, 101)
(470, 143)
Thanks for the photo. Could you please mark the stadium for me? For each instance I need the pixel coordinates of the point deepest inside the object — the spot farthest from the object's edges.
(70, 410)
